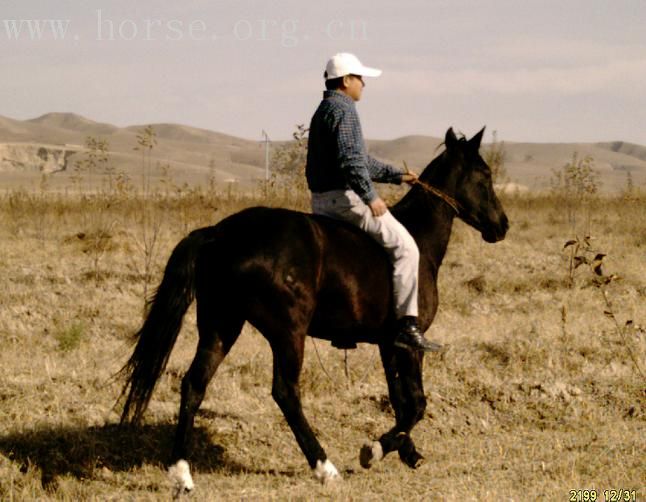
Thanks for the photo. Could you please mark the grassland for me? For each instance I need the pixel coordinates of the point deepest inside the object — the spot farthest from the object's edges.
(538, 393)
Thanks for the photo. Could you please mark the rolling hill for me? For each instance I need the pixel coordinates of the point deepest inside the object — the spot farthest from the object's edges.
(195, 154)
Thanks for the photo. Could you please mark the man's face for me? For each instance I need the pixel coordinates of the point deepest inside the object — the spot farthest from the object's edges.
(353, 86)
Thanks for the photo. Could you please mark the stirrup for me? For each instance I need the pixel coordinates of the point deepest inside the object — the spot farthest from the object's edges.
(416, 342)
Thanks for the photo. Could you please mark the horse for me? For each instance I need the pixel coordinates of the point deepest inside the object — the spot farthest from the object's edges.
(292, 274)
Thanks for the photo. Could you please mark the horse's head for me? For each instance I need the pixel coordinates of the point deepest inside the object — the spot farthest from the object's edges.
(471, 176)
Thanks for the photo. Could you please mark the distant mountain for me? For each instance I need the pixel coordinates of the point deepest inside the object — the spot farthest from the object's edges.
(417, 151)
(177, 132)
(73, 122)
(195, 154)
(11, 127)
(637, 151)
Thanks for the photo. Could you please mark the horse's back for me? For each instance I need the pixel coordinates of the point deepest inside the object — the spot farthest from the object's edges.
(293, 235)
(281, 266)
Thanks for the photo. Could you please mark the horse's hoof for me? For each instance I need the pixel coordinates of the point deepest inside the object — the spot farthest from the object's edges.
(413, 460)
(370, 454)
(326, 473)
(180, 477)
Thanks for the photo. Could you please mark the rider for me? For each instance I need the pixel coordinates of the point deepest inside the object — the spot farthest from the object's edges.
(340, 174)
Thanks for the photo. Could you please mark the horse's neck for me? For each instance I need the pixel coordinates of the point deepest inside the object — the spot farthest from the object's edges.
(429, 220)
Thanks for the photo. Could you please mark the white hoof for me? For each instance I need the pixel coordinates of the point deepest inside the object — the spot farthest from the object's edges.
(180, 477)
(325, 472)
(370, 454)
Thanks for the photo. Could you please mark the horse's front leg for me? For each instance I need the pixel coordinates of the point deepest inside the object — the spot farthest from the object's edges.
(403, 370)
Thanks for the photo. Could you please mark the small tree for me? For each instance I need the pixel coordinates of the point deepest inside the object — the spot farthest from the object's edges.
(97, 157)
(576, 184)
(288, 161)
(96, 219)
(212, 178)
(96, 160)
(577, 179)
(146, 141)
(629, 190)
(150, 219)
(495, 156)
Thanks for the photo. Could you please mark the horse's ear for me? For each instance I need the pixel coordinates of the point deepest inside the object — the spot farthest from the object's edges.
(477, 139)
(450, 139)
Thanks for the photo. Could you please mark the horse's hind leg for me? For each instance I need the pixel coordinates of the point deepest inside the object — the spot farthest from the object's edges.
(217, 336)
(288, 360)
(405, 387)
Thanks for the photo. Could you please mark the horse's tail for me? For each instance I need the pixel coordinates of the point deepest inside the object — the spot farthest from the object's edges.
(158, 334)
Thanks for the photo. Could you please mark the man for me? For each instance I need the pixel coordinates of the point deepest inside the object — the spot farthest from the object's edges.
(340, 173)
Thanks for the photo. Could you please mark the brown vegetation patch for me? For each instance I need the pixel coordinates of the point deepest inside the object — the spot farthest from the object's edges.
(536, 395)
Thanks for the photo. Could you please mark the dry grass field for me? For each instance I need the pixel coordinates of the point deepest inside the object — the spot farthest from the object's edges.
(539, 393)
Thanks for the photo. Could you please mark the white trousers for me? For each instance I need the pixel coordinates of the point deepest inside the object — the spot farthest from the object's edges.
(388, 232)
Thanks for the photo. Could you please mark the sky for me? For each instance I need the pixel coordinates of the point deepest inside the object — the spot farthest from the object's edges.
(531, 70)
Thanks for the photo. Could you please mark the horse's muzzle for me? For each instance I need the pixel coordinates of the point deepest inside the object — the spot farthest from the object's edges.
(495, 233)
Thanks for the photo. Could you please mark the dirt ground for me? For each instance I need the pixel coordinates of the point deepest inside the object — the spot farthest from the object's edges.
(539, 396)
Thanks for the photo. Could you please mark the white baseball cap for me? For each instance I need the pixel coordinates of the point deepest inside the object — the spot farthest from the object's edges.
(344, 63)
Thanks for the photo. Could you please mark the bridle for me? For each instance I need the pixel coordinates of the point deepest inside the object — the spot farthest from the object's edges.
(454, 204)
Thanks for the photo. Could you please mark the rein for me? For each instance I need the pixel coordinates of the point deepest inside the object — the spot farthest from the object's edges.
(435, 191)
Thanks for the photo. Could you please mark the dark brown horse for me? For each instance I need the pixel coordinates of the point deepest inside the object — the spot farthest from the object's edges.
(292, 274)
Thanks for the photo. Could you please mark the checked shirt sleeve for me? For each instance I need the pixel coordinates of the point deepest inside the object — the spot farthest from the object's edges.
(382, 172)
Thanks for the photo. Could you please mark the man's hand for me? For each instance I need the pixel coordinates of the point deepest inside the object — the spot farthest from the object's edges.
(410, 177)
(378, 207)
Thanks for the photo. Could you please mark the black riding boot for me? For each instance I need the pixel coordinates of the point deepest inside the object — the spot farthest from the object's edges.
(410, 337)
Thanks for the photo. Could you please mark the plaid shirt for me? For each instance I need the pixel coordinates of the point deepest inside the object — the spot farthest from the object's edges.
(336, 152)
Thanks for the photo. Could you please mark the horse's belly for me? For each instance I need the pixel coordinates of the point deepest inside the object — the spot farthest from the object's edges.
(358, 312)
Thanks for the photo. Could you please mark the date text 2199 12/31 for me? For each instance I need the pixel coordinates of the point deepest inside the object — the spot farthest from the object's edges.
(592, 495)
